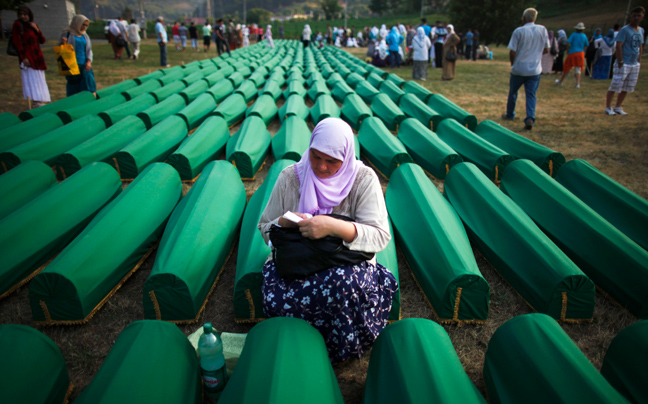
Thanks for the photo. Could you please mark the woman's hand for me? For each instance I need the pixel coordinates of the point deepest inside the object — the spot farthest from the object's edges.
(26, 62)
(321, 226)
(88, 66)
(283, 222)
(34, 26)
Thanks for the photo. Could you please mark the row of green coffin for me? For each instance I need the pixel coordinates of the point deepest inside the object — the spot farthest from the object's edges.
(529, 359)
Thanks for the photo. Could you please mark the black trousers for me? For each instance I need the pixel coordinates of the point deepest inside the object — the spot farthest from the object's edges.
(438, 55)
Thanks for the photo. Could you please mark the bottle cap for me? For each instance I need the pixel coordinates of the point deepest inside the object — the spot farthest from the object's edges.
(207, 328)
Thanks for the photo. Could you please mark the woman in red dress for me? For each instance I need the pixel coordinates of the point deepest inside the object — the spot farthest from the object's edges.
(27, 38)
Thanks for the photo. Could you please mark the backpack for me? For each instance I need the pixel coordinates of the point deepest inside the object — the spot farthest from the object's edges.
(11, 48)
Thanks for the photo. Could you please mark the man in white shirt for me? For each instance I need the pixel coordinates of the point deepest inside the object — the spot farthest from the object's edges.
(528, 43)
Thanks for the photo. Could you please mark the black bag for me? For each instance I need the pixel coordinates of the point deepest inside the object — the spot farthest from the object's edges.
(11, 48)
(298, 257)
(120, 42)
(554, 48)
(451, 56)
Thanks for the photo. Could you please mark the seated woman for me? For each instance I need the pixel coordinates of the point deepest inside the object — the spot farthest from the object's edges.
(348, 304)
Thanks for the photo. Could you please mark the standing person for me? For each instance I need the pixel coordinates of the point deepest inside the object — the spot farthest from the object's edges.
(548, 58)
(528, 43)
(349, 303)
(162, 39)
(421, 45)
(439, 40)
(616, 29)
(562, 47)
(246, 36)
(281, 32)
(76, 36)
(175, 31)
(124, 31)
(306, 35)
(232, 35)
(629, 49)
(329, 34)
(27, 37)
(117, 38)
(193, 35)
(475, 45)
(183, 36)
(206, 31)
(449, 46)
(239, 36)
(590, 52)
(576, 45)
(221, 42)
(468, 41)
(394, 40)
(426, 28)
(134, 37)
(268, 37)
(601, 67)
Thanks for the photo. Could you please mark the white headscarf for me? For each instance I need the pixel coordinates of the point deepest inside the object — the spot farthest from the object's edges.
(382, 49)
(450, 29)
(402, 29)
(420, 35)
(383, 31)
(375, 31)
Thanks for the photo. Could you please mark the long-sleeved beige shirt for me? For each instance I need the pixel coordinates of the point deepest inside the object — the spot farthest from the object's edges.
(365, 205)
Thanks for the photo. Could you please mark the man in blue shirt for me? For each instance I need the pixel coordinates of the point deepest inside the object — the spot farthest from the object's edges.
(629, 49)
(576, 45)
(426, 27)
(468, 41)
(161, 35)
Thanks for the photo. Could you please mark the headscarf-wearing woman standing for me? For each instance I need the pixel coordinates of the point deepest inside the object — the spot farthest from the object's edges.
(306, 35)
(547, 60)
(562, 47)
(601, 67)
(27, 37)
(383, 31)
(245, 31)
(76, 36)
(239, 36)
(590, 52)
(268, 36)
(450, 44)
(347, 304)
(394, 39)
(421, 45)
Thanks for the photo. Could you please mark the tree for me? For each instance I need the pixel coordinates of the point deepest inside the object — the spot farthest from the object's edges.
(495, 19)
(331, 8)
(258, 16)
(379, 7)
(11, 5)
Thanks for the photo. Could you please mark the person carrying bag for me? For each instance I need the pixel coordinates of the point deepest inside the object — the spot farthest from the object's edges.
(66, 59)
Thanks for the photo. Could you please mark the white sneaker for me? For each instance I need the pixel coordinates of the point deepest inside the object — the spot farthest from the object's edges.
(619, 111)
(609, 111)
(577, 86)
(558, 82)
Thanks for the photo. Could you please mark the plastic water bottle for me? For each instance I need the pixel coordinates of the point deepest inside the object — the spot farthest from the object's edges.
(212, 361)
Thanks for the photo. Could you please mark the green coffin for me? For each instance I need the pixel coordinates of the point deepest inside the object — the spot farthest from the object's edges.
(48, 147)
(383, 149)
(294, 88)
(624, 209)
(232, 109)
(37, 231)
(193, 91)
(244, 70)
(236, 78)
(151, 362)
(341, 90)
(221, 90)
(204, 145)
(29, 355)
(383, 107)
(193, 77)
(412, 87)
(278, 78)
(520, 252)
(292, 139)
(215, 78)
(333, 79)
(28, 130)
(427, 150)
(172, 77)
(490, 159)
(102, 147)
(258, 78)
(343, 70)
(366, 91)
(147, 87)
(530, 359)
(520, 147)
(155, 114)
(388, 259)
(436, 246)
(392, 90)
(153, 75)
(248, 304)
(248, 89)
(318, 88)
(248, 147)
(354, 111)
(204, 227)
(7, 120)
(93, 266)
(361, 71)
(116, 89)
(354, 79)
(412, 106)
(167, 91)
(84, 97)
(315, 76)
(92, 108)
(265, 108)
(153, 146)
(395, 79)
(132, 107)
(23, 184)
(325, 107)
(294, 105)
(449, 109)
(272, 89)
(284, 360)
(376, 80)
(615, 263)
(413, 361)
(196, 112)
(296, 76)
(624, 365)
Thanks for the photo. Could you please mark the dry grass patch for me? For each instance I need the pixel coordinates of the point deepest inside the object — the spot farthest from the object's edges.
(570, 121)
